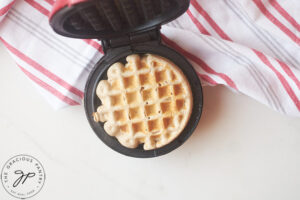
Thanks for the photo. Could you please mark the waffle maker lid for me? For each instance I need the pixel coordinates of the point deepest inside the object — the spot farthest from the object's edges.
(107, 19)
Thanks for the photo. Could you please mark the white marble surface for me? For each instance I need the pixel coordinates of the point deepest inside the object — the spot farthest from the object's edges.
(240, 150)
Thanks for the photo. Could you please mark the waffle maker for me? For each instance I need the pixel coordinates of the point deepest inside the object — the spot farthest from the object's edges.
(126, 27)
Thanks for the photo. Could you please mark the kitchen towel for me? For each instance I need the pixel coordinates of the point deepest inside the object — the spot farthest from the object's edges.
(250, 46)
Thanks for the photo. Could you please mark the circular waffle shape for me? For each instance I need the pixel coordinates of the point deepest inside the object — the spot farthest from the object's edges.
(99, 72)
(148, 101)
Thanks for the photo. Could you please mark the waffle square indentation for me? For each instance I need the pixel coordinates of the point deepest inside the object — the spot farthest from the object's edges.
(125, 128)
(117, 100)
(173, 76)
(136, 113)
(154, 125)
(130, 82)
(168, 122)
(180, 104)
(146, 79)
(132, 97)
(120, 116)
(149, 95)
(152, 110)
(178, 90)
(139, 127)
(167, 107)
(165, 91)
(161, 76)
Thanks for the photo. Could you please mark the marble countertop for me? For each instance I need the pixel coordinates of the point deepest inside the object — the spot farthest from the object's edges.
(240, 150)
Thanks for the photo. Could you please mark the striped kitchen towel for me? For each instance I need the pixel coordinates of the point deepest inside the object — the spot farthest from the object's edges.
(250, 46)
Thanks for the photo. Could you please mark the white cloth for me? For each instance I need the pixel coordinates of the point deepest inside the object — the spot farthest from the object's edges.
(251, 46)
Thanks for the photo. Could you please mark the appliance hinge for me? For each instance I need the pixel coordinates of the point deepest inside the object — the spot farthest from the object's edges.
(130, 39)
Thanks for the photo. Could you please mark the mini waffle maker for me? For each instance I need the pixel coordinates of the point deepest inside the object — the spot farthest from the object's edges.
(126, 27)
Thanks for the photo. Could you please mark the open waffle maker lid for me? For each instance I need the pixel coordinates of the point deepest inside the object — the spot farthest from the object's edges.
(107, 19)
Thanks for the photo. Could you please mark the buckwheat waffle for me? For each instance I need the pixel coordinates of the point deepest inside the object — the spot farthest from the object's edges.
(148, 101)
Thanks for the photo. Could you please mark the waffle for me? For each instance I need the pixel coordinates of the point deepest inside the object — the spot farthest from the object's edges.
(148, 101)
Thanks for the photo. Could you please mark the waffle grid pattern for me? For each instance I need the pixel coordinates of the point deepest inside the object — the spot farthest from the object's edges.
(118, 14)
(147, 101)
